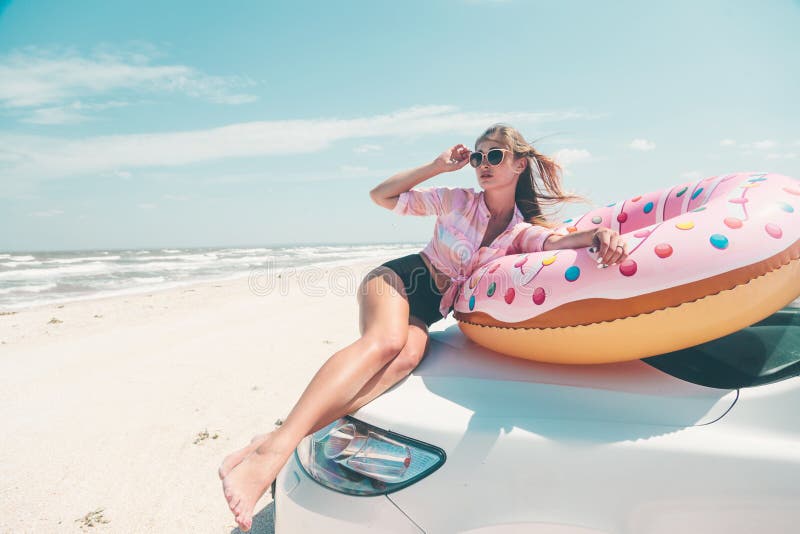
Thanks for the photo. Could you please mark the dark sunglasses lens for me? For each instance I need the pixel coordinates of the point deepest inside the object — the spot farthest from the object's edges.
(475, 159)
(494, 156)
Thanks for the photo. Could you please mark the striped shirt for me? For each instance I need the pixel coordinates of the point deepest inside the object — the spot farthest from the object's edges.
(461, 223)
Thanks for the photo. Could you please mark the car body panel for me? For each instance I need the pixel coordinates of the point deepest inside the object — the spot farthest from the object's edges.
(585, 449)
(477, 381)
(303, 505)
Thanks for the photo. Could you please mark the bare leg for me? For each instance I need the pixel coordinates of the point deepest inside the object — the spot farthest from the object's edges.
(338, 381)
(389, 375)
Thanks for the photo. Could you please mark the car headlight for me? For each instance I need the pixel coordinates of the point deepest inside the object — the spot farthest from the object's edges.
(356, 458)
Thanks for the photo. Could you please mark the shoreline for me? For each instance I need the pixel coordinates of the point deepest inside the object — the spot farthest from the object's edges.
(257, 281)
(32, 284)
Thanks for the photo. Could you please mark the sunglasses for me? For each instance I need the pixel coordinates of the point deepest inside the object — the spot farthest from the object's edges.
(494, 157)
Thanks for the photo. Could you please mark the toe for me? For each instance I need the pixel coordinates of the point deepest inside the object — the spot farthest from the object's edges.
(246, 521)
(233, 505)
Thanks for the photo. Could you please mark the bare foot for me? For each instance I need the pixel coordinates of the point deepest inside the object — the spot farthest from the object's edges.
(249, 480)
(234, 458)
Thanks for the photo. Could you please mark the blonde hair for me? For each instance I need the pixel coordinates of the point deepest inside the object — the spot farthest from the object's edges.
(530, 196)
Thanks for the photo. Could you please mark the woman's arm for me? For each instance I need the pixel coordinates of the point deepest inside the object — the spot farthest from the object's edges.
(611, 248)
(387, 192)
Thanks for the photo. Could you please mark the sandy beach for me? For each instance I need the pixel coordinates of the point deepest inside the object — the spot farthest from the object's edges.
(117, 411)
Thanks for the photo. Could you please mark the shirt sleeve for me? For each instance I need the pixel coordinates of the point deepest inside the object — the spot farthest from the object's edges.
(530, 237)
(431, 201)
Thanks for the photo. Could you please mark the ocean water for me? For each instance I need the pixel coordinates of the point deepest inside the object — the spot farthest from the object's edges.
(35, 278)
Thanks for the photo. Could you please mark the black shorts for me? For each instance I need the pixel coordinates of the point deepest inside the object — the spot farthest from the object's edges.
(423, 296)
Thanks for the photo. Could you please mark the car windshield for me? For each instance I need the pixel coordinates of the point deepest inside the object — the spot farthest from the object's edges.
(768, 351)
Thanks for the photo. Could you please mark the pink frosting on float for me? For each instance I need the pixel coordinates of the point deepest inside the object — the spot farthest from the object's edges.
(723, 223)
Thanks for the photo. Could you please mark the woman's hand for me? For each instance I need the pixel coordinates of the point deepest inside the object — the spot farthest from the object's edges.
(452, 159)
(611, 248)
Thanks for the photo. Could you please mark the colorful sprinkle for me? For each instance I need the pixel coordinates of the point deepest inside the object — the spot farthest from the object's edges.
(597, 220)
(786, 207)
(622, 217)
(472, 303)
(697, 193)
(548, 261)
(521, 262)
(749, 186)
(739, 200)
(688, 225)
(663, 250)
(701, 208)
(571, 229)
(792, 191)
(642, 233)
(473, 282)
(733, 222)
(774, 230)
(628, 268)
(648, 207)
(719, 241)
(611, 205)
(753, 180)
(538, 296)
(572, 273)
(491, 289)
(568, 221)
(509, 296)
(636, 199)
(494, 268)
(681, 192)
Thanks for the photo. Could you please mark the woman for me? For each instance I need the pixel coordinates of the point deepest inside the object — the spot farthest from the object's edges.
(400, 299)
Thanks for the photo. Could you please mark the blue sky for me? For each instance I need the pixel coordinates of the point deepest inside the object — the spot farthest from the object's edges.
(146, 124)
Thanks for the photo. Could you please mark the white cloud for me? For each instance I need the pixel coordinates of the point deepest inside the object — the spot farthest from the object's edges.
(727, 142)
(146, 206)
(784, 155)
(367, 148)
(642, 144)
(353, 170)
(125, 175)
(35, 77)
(567, 156)
(55, 115)
(70, 113)
(765, 144)
(40, 157)
(6, 156)
(343, 172)
(46, 213)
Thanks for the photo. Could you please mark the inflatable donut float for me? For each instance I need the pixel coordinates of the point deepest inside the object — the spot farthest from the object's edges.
(705, 259)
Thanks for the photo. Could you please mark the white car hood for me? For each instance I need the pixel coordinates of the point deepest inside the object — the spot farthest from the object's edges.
(459, 381)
